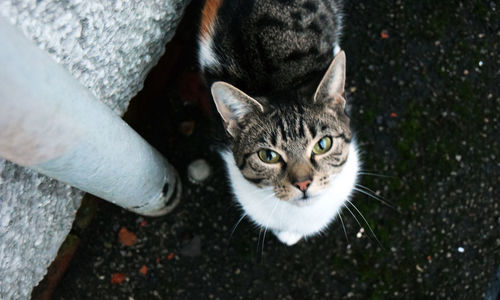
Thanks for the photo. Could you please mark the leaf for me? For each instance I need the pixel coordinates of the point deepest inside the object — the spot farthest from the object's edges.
(118, 278)
(126, 237)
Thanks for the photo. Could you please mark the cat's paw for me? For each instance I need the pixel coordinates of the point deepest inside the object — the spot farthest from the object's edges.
(287, 237)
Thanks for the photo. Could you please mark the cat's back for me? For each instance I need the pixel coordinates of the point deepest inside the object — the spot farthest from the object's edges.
(262, 46)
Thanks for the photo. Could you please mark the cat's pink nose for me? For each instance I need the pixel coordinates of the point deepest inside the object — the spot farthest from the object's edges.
(303, 185)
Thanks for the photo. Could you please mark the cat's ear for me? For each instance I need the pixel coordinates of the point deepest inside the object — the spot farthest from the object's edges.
(331, 87)
(233, 105)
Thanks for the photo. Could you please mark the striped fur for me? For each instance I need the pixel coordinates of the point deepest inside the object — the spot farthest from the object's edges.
(265, 46)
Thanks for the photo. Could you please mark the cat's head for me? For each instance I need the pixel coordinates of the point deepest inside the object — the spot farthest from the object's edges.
(296, 148)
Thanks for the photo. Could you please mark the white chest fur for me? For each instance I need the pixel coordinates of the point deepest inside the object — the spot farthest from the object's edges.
(288, 221)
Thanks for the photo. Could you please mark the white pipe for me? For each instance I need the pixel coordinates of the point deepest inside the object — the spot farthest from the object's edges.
(52, 124)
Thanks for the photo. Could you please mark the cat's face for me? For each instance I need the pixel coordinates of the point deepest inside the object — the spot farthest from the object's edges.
(297, 150)
(296, 147)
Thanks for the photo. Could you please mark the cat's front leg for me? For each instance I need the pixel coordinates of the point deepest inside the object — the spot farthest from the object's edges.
(288, 237)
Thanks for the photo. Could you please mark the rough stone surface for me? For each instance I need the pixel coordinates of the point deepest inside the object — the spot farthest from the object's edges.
(36, 213)
(109, 47)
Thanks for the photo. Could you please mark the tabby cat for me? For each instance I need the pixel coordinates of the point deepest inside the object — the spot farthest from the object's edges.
(290, 154)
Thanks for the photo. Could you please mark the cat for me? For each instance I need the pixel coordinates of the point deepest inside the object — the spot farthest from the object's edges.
(291, 157)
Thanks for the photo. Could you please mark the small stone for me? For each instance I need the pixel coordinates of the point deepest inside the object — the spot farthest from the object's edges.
(458, 157)
(198, 170)
(461, 249)
(187, 128)
(360, 233)
(419, 268)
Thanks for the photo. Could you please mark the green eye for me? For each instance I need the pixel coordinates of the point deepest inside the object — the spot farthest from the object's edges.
(322, 145)
(268, 156)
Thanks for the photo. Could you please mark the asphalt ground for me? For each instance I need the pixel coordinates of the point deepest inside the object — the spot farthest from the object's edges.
(423, 88)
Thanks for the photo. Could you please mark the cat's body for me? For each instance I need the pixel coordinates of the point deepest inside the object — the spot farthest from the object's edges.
(262, 46)
(291, 159)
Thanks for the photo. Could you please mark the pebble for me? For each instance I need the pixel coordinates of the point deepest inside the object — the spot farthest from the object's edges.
(187, 128)
(198, 170)
(461, 249)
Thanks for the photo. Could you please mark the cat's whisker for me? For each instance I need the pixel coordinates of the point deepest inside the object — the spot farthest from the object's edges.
(281, 218)
(366, 191)
(343, 226)
(262, 228)
(374, 174)
(263, 241)
(244, 215)
(266, 197)
(258, 240)
(270, 197)
(359, 189)
(236, 225)
(369, 227)
(267, 224)
(259, 191)
(374, 194)
(355, 218)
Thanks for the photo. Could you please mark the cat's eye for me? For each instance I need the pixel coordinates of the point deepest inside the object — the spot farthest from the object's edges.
(322, 145)
(268, 156)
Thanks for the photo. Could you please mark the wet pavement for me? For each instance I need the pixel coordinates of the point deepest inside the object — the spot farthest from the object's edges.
(423, 85)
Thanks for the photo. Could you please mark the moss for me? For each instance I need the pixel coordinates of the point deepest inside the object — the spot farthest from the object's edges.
(369, 117)
(481, 8)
